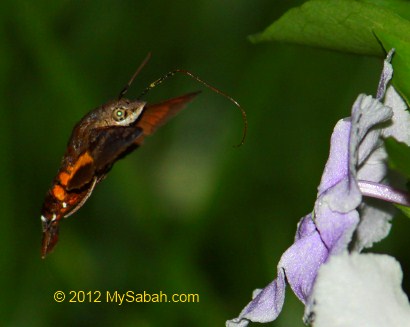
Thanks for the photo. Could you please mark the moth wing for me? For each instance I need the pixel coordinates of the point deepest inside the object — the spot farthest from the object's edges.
(82, 172)
(156, 115)
(113, 144)
(108, 145)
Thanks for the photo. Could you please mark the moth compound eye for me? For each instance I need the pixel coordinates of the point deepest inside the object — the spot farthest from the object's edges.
(119, 114)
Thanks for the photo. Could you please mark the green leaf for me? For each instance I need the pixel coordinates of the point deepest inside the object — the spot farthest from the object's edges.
(343, 25)
(399, 156)
(400, 7)
(404, 210)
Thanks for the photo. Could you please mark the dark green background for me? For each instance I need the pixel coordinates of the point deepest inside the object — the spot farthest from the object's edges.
(186, 213)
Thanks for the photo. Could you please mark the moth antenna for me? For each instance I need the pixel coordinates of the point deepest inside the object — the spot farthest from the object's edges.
(126, 87)
(212, 88)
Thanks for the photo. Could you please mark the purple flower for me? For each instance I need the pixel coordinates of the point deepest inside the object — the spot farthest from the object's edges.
(355, 168)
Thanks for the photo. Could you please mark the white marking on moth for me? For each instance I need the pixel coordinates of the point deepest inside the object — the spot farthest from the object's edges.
(64, 205)
(43, 219)
(133, 116)
(54, 217)
(79, 205)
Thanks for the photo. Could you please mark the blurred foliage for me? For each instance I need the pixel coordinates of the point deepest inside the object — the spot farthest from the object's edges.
(399, 156)
(399, 160)
(187, 212)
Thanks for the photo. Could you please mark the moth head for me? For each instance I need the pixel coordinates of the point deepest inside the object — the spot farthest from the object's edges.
(125, 112)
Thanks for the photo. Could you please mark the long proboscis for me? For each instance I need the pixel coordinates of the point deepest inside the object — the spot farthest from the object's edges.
(188, 73)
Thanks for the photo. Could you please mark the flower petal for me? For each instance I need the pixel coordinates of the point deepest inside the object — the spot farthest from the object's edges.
(299, 264)
(265, 306)
(303, 259)
(386, 76)
(351, 143)
(360, 290)
(336, 189)
(336, 229)
(374, 224)
(336, 168)
(400, 124)
(367, 112)
(376, 216)
(374, 168)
